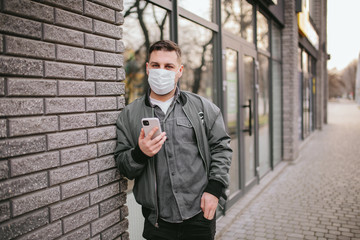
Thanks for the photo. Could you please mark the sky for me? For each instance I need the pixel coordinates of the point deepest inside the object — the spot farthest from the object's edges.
(343, 36)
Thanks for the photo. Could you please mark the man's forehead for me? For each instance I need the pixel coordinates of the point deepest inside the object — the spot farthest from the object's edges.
(169, 57)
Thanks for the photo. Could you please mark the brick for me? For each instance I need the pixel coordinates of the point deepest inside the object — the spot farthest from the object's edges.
(120, 102)
(102, 223)
(5, 211)
(29, 9)
(18, 186)
(21, 146)
(112, 204)
(100, 103)
(49, 232)
(31, 87)
(101, 164)
(104, 193)
(72, 5)
(115, 230)
(64, 105)
(121, 74)
(24, 224)
(99, 43)
(108, 59)
(125, 236)
(1, 43)
(3, 128)
(115, 4)
(99, 12)
(107, 118)
(76, 121)
(63, 35)
(101, 134)
(76, 88)
(81, 218)
(107, 29)
(64, 70)
(80, 234)
(108, 177)
(68, 207)
(100, 73)
(105, 148)
(36, 200)
(29, 48)
(4, 170)
(2, 86)
(18, 107)
(68, 173)
(20, 26)
(120, 46)
(21, 66)
(96, 237)
(78, 154)
(73, 20)
(74, 54)
(34, 163)
(32, 125)
(110, 88)
(119, 18)
(124, 210)
(66, 139)
(79, 186)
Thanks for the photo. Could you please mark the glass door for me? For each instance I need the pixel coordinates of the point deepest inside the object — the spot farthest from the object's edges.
(239, 102)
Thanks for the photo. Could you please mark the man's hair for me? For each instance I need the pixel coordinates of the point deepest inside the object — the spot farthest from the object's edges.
(166, 45)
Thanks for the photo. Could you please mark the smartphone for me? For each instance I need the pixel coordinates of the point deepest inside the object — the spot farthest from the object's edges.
(149, 123)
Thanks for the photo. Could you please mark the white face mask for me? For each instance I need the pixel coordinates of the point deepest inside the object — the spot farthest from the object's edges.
(161, 81)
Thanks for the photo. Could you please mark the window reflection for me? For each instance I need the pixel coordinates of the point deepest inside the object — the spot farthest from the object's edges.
(202, 8)
(276, 42)
(196, 43)
(237, 18)
(144, 24)
(262, 32)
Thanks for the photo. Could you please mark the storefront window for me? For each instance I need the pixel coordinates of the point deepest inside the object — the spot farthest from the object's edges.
(202, 8)
(144, 24)
(263, 115)
(262, 32)
(276, 111)
(196, 43)
(276, 43)
(237, 18)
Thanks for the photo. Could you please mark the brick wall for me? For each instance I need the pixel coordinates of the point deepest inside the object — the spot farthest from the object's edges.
(61, 89)
(291, 86)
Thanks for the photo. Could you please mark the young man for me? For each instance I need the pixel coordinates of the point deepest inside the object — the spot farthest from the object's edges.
(180, 174)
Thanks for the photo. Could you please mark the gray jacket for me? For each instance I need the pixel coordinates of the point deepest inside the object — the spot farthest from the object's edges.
(212, 140)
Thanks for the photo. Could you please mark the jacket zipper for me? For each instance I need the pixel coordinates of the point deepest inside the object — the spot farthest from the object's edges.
(156, 201)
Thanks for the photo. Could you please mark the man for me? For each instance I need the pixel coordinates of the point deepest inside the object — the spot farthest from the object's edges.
(180, 174)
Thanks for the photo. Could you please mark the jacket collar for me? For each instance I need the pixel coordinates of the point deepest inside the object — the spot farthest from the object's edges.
(179, 96)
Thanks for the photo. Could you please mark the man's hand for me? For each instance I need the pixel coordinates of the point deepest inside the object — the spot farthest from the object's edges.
(209, 204)
(149, 146)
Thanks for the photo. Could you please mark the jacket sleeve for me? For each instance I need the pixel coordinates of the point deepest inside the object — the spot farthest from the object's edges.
(130, 160)
(220, 151)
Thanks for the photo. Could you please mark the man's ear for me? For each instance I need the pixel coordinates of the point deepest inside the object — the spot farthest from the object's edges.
(147, 68)
(181, 69)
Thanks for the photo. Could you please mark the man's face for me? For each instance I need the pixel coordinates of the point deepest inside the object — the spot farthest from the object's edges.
(165, 60)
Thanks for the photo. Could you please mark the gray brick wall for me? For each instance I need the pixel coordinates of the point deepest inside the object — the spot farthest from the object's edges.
(290, 83)
(61, 90)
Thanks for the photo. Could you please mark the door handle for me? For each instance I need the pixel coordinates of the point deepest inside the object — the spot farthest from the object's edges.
(249, 130)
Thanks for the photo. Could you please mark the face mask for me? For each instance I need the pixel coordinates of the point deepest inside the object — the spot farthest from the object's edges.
(161, 81)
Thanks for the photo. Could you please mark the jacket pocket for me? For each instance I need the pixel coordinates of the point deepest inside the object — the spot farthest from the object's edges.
(185, 131)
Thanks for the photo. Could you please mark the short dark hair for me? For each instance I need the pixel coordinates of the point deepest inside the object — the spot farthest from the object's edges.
(166, 45)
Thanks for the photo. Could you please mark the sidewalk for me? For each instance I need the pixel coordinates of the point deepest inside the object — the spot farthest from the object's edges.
(315, 197)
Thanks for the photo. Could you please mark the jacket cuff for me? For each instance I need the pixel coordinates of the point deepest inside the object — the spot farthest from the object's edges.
(215, 188)
(138, 156)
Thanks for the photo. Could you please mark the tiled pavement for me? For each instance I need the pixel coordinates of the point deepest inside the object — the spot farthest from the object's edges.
(315, 197)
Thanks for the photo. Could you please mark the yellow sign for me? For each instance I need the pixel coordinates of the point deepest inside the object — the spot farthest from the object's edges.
(306, 29)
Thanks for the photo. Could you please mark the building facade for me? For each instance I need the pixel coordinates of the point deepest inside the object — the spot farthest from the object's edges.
(67, 68)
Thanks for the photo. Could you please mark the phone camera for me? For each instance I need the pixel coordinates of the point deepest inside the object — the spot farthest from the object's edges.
(146, 123)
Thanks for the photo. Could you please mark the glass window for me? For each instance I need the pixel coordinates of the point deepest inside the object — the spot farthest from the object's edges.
(262, 32)
(144, 24)
(202, 8)
(237, 18)
(196, 43)
(263, 115)
(276, 43)
(276, 111)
